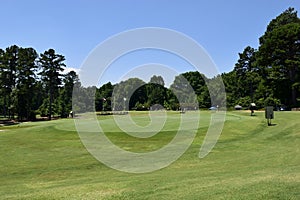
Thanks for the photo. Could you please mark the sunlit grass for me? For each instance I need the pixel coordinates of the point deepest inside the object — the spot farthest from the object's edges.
(46, 160)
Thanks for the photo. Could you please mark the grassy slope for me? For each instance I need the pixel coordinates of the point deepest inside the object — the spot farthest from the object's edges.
(46, 160)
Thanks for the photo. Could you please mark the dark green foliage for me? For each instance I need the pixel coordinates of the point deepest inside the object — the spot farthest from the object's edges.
(51, 66)
(26, 83)
(199, 84)
(156, 92)
(127, 94)
(103, 97)
(9, 65)
(269, 75)
(66, 92)
(279, 57)
(25, 93)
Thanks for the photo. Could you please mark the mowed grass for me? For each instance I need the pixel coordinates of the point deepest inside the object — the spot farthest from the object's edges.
(46, 160)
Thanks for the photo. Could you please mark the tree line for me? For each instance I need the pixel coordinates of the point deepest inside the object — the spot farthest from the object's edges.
(33, 84)
(267, 76)
(135, 94)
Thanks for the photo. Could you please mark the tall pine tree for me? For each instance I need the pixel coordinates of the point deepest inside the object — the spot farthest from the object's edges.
(52, 66)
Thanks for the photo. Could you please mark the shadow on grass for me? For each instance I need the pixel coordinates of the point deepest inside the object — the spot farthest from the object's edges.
(8, 122)
(272, 124)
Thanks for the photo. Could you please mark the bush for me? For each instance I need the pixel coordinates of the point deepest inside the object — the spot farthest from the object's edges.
(244, 102)
(270, 101)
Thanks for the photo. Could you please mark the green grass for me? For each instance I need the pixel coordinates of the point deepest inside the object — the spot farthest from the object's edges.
(46, 160)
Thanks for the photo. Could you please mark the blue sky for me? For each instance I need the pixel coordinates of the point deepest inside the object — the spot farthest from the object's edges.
(74, 28)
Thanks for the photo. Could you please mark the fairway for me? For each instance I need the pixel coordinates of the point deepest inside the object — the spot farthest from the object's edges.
(46, 160)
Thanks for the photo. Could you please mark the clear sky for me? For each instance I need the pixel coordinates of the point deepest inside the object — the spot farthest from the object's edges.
(75, 27)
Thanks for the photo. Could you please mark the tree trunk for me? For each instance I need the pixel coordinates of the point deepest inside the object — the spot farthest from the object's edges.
(294, 97)
(292, 74)
(5, 106)
(50, 104)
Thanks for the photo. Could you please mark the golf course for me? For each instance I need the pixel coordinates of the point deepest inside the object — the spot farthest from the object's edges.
(251, 160)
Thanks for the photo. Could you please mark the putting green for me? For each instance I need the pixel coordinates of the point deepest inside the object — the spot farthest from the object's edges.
(108, 122)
